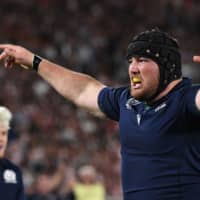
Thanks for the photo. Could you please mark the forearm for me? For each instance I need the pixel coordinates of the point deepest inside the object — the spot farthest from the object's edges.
(79, 88)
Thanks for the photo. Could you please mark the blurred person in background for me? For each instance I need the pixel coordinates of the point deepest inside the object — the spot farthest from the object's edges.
(158, 114)
(12, 187)
(87, 186)
(47, 182)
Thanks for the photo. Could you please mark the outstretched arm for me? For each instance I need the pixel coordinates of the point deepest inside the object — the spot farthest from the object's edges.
(79, 88)
(197, 100)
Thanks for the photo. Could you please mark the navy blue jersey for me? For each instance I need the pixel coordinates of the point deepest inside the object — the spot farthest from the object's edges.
(160, 144)
(11, 184)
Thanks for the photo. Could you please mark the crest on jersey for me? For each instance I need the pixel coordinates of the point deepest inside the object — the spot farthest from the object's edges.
(131, 102)
(9, 176)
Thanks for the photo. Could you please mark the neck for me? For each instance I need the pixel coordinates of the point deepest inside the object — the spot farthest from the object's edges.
(169, 87)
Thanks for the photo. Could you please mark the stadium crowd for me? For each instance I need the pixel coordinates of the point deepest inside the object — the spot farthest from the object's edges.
(51, 138)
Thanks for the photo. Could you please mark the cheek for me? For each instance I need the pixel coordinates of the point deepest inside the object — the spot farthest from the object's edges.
(5, 139)
(151, 73)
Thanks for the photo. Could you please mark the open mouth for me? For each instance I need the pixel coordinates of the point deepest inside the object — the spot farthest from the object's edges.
(136, 82)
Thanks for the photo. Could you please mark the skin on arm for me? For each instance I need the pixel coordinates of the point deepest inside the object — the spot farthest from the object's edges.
(197, 99)
(79, 88)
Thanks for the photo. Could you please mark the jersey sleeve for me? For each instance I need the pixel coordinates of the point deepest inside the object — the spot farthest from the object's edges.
(190, 101)
(109, 102)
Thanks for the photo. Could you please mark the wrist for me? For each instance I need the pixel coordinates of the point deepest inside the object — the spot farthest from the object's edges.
(36, 62)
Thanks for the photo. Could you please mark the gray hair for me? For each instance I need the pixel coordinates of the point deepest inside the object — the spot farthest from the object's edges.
(5, 117)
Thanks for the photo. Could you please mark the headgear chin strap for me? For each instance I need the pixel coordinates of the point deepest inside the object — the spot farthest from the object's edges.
(161, 48)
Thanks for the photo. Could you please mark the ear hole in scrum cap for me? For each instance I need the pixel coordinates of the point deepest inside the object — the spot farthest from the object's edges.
(161, 48)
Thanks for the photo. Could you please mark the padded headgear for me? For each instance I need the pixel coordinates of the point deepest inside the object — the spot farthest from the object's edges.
(161, 48)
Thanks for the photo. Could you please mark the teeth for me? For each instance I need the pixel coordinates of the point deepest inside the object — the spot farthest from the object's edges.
(136, 80)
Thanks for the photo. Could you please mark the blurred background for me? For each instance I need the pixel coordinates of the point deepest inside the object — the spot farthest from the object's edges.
(51, 139)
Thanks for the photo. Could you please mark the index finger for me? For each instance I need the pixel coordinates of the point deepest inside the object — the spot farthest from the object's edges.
(3, 46)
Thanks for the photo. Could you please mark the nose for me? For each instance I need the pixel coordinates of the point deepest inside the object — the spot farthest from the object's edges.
(133, 66)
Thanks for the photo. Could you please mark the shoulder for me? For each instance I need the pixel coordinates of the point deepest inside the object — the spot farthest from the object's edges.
(114, 96)
(190, 96)
(11, 172)
(110, 99)
(185, 87)
(116, 92)
(190, 92)
(7, 164)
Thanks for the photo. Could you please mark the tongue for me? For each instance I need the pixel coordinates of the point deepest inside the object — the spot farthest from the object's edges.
(137, 85)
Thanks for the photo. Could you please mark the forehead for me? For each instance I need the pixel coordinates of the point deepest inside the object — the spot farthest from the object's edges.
(138, 58)
(3, 128)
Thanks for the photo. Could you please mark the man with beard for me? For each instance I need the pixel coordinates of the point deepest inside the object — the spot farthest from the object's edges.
(158, 114)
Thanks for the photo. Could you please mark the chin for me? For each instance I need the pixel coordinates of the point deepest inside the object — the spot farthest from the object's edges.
(141, 95)
(139, 98)
(1, 155)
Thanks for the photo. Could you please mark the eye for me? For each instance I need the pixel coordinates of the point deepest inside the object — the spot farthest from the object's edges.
(129, 61)
(4, 133)
(143, 59)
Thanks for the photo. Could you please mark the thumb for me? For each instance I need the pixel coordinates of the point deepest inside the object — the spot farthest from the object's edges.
(196, 59)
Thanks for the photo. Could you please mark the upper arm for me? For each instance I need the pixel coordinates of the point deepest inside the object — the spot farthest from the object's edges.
(197, 100)
(88, 99)
(79, 88)
(103, 101)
